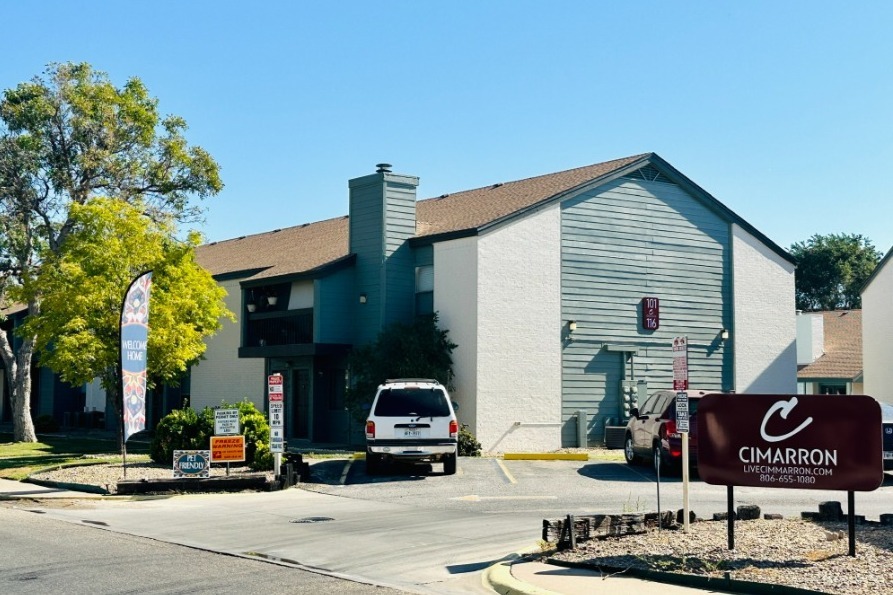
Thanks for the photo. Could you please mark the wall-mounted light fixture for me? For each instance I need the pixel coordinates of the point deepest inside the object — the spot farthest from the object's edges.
(724, 334)
(362, 298)
(571, 326)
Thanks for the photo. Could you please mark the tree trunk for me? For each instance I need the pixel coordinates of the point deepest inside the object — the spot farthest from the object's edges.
(18, 368)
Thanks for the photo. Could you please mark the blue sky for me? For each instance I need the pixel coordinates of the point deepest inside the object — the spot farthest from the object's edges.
(781, 110)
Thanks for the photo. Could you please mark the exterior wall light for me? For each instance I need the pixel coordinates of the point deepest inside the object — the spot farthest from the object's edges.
(571, 326)
(724, 334)
(362, 298)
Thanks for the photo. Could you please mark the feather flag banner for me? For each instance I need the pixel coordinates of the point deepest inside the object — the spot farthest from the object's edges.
(134, 339)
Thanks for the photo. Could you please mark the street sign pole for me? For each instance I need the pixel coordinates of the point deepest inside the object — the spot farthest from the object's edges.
(682, 426)
(277, 414)
(685, 481)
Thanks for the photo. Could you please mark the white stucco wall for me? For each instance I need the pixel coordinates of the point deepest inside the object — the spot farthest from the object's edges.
(222, 375)
(764, 328)
(456, 302)
(519, 335)
(877, 335)
(499, 295)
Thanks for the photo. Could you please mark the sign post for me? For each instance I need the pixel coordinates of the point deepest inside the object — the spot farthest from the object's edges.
(682, 425)
(277, 413)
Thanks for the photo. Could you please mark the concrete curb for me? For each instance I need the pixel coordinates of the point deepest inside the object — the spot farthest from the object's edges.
(500, 579)
(72, 487)
(727, 584)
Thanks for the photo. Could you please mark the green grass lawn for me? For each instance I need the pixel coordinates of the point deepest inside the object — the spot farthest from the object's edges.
(18, 460)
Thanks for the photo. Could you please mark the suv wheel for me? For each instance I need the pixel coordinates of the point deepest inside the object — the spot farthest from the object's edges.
(373, 462)
(449, 464)
(628, 452)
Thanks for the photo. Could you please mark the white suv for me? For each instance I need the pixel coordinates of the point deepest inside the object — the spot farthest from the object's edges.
(412, 420)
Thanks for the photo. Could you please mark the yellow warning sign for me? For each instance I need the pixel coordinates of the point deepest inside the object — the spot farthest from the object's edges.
(227, 449)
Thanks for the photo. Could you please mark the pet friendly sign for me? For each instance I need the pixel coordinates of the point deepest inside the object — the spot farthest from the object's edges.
(820, 442)
(192, 463)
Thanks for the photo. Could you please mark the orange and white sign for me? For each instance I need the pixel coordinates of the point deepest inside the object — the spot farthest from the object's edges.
(227, 449)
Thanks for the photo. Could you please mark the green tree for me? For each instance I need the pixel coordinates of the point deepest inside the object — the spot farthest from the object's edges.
(416, 350)
(82, 286)
(831, 270)
(66, 137)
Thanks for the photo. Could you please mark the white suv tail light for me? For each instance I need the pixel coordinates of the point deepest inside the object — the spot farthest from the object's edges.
(370, 429)
(454, 429)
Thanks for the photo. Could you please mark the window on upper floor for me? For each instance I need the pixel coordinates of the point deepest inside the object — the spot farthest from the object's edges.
(424, 289)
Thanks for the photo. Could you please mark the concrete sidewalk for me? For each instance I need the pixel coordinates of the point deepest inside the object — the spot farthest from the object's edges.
(538, 578)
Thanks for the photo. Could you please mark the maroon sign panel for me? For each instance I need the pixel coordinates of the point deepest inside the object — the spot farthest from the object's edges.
(650, 313)
(819, 442)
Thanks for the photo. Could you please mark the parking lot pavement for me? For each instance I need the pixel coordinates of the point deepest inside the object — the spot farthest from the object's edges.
(553, 489)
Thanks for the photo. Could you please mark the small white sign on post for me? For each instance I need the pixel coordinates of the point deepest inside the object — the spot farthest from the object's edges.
(682, 417)
(226, 422)
(682, 426)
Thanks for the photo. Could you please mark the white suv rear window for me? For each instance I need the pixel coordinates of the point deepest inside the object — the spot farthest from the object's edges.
(412, 402)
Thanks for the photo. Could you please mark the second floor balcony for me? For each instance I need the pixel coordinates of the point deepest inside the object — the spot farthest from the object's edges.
(278, 328)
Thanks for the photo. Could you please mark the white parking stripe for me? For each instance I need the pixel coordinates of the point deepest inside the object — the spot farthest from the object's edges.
(346, 471)
(508, 475)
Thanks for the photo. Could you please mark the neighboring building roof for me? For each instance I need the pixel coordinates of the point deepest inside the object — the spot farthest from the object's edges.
(843, 348)
(306, 248)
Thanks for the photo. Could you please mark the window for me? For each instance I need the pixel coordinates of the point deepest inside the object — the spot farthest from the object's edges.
(832, 389)
(424, 289)
(408, 402)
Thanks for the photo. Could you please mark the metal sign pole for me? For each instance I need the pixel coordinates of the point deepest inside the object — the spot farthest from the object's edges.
(685, 481)
(657, 472)
(730, 515)
(851, 506)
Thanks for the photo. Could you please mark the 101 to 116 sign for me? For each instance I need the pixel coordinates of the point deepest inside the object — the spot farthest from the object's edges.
(650, 313)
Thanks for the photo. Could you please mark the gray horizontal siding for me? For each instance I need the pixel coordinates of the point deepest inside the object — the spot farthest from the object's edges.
(622, 242)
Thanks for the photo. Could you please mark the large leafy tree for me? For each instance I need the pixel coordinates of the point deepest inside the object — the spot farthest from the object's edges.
(831, 270)
(65, 138)
(419, 349)
(83, 284)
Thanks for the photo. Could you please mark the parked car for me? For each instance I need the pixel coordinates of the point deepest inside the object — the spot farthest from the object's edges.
(414, 421)
(651, 433)
(887, 425)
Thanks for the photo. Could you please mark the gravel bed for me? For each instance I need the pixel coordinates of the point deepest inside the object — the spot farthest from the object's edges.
(107, 476)
(790, 552)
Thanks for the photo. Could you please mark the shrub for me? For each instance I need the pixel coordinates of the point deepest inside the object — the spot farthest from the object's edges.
(181, 429)
(253, 422)
(184, 429)
(263, 458)
(468, 446)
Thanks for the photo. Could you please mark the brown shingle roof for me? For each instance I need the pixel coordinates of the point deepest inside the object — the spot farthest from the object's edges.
(303, 248)
(843, 347)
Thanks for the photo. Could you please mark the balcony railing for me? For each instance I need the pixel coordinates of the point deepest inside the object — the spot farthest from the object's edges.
(291, 327)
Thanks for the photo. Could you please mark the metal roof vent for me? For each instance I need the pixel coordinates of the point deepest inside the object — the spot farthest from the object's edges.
(383, 168)
(649, 173)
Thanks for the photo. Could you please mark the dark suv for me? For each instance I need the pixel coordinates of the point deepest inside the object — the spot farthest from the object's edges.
(651, 432)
